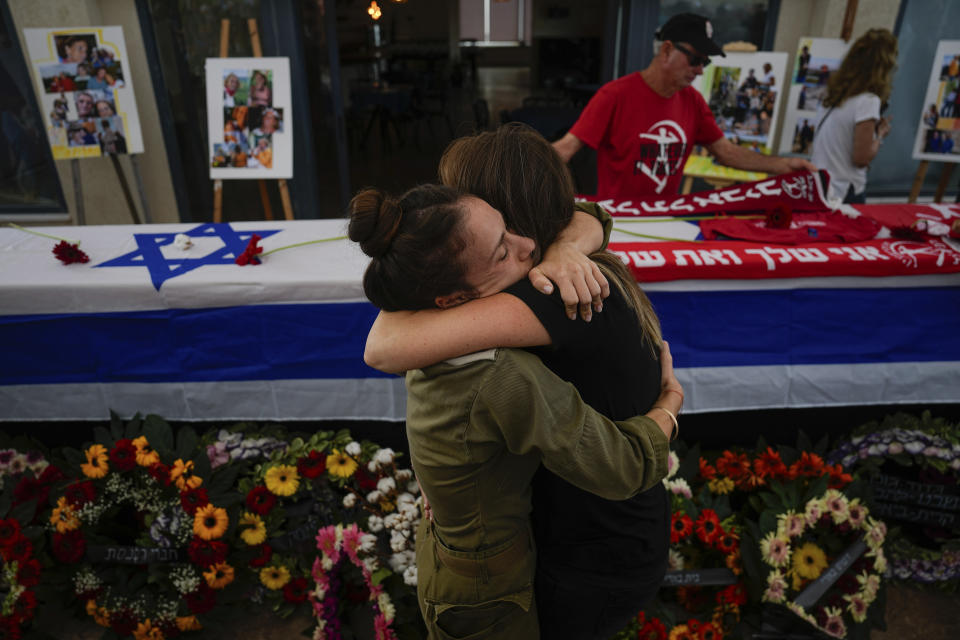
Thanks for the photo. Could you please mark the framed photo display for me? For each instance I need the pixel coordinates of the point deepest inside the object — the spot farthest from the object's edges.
(249, 118)
(85, 88)
(938, 132)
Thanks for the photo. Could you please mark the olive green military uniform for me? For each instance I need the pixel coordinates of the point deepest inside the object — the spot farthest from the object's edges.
(478, 428)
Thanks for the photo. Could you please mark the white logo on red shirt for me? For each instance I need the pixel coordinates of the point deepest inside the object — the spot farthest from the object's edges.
(671, 141)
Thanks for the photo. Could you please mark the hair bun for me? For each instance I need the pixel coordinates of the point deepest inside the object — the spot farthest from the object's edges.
(374, 221)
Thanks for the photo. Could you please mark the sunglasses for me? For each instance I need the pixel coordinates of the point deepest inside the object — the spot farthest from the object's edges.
(692, 58)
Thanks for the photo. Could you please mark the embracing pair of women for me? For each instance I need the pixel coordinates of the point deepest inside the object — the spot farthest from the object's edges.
(540, 467)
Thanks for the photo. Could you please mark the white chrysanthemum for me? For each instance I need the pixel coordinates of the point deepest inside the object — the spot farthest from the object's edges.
(386, 607)
(679, 487)
(353, 449)
(326, 563)
(350, 500)
(410, 576)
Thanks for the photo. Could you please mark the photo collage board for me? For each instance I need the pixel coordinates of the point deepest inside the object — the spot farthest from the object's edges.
(938, 132)
(84, 85)
(249, 118)
(815, 60)
(743, 91)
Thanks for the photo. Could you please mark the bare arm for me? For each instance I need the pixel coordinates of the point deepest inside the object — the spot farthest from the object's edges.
(566, 263)
(867, 138)
(568, 145)
(732, 155)
(403, 340)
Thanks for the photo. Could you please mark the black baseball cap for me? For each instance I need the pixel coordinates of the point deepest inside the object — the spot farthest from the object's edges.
(689, 27)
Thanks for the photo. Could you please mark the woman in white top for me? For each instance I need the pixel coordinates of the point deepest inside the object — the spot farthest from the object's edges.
(850, 129)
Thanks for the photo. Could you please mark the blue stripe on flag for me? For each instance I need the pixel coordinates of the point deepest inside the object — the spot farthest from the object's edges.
(810, 326)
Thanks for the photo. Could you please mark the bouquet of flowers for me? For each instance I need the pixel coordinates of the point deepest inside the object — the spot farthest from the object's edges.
(141, 530)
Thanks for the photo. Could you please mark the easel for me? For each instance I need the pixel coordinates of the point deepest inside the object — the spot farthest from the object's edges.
(922, 173)
(218, 183)
(80, 218)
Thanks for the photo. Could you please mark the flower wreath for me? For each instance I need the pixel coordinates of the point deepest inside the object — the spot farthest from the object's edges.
(172, 510)
(19, 574)
(930, 448)
(793, 556)
(324, 480)
(359, 548)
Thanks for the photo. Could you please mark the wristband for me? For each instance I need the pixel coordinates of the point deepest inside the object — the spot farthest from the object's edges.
(676, 392)
(676, 425)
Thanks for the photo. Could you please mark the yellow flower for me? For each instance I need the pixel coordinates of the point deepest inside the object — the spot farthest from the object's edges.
(809, 561)
(178, 475)
(340, 464)
(282, 480)
(63, 516)
(386, 506)
(146, 631)
(102, 617)
(188, 623)
(721, 486)
(679, 631)
(219, 575)
(146, 456)
(96, 465)
(210, 522)
(252, 529)
(91, 607)
(274, 577)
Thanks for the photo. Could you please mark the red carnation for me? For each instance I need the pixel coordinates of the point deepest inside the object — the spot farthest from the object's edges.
(193, 499)
(123, 621)
(69, 547)
(204, 553)
(19, 549)
(249, 255)
(9, 531)
(69, 253)
(707, 526)
(263, 557)
(364, 479)
(202, 600)
(260, 500)
(680, 527)
(124, 455)
(160, 473)
(29, 573)
(312, 465)
(80, 493)
(295, 591)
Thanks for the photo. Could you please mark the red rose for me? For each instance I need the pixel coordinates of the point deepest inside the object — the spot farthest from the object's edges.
(204, 553)
(295, 591)
(123, 622)
(9, 530)
(263, 557)
(80, 493)
(124, 455)
(19, 549)
(364, 479)
(201, 600)
(160, 473)
(193, 499)
(69, 253)
(69, 547)
(29, 573)
(260, 500)
(312, 465)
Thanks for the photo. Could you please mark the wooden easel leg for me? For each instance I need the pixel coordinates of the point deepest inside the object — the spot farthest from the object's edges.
(77, 191)
(224, 36)
(918, 180)
(285, 199)
(687, 185)
(944, 181)
(218, 200)
(265, 199)
(145, 207)
(127, 195)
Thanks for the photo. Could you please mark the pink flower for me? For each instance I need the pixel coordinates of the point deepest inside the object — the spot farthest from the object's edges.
(327, 542)
(352, 541)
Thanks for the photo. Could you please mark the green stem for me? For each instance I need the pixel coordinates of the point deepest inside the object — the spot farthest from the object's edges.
(645, 235)
(301, 244)
(42, 235)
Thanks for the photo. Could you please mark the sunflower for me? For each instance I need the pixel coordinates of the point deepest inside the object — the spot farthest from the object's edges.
(146, 631)
(252, 529)
(720, 486)
(340, 464)
(146, 456)
(96, 465)
(219, 575)
(282, 479)
(274, 577)
(63, 516)
(809, 561)
(210, 522)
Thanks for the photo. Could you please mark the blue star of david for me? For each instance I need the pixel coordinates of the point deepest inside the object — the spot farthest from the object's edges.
(162, 269)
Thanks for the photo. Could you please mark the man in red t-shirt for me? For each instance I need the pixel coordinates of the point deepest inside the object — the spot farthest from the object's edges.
(644, 125)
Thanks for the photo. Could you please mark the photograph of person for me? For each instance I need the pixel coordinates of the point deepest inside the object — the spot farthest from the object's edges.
(58, 116)
(743, 109)
(57, 78)
(99, 79)
(104, 107)
(263, 123)
(84, 102)
(803, 136)
(221, 155)
(75, 48)
(110, 136)
(261, 94)
(81, 134)
(813, 79)
(236, 84)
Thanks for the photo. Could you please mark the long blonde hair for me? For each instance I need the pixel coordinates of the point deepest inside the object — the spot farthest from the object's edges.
(867, 67)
